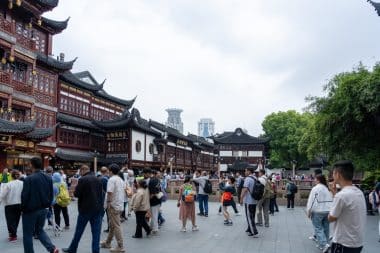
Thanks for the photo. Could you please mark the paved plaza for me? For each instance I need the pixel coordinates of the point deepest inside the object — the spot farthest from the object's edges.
(288, 233)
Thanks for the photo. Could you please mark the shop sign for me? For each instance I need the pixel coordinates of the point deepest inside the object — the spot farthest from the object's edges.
(21, 143)
(182, 143)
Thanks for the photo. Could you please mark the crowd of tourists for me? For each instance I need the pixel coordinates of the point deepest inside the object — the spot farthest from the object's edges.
(112, 195)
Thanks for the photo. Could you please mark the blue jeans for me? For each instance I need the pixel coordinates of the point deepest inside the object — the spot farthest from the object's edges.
(31, 222)
(203, 203)
(321, 228)
(95, 220)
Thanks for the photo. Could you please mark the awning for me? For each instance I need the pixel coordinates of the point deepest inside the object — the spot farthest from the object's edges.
(74, 155)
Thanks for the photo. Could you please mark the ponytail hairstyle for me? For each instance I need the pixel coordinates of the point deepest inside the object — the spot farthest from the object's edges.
(322, 179)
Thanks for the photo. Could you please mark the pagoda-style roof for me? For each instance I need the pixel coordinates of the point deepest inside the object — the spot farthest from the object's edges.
(55, 26)
(57, 65)
(40, 133)
(74, 155)
(376, 5)
(237, 137)
(200, 141)
(48, 3)
(74, 80)
(169, 130)
(126, 120)
(10, 127)
(87, 77)
(76, 121)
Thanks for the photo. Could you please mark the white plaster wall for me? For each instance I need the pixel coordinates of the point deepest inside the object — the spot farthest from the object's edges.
(149, 140)
(137, 136)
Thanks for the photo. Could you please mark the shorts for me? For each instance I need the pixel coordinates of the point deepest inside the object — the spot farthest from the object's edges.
(227, 203)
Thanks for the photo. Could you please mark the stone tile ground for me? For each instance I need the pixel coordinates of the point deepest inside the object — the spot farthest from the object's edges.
(288, 233)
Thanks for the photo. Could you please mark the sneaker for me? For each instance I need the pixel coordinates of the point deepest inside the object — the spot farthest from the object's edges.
(226, 222)
(183, 230)
(326, 248)
(66, 250)
(267, 225)
(313, 238)
(219, 213)
(106, 231)
(206, 215)
(12, 239)
(66, 228)
(229, 223)
(255, 235)
(105, 245)
(259, 224)
(200, 214)
(154, 232)
(195, 228)
(117, 249)
(238, 214)
(55, 250)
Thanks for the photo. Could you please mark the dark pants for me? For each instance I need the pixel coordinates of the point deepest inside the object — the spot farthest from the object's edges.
(233, 204)
(239, 193)
(203, 203)
(141, 223)
(338, 248)
(290, 200)
(95, 220)
(250, 213)
(35, 220)
(12, 215)
(57, 215)
(273, 205)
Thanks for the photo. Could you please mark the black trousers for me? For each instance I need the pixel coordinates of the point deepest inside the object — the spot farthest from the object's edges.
(233, 204)
(290, 200)
(141, 223)
(273, 205)
(250, 213)
(57, 215)
(12, 215)
(338, 248)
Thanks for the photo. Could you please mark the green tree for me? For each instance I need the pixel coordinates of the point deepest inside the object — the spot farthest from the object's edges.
(285, 130)
(347, 120)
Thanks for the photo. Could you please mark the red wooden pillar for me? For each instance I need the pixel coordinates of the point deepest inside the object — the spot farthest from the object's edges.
(3, 160)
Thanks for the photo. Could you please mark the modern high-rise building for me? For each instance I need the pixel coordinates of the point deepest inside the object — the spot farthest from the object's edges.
(206, 127)
(174, 119)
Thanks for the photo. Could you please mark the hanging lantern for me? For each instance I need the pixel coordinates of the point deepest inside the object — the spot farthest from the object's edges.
(34, 72)
(11, 58)
(39, 22)
(10, 4)
(9, 109)
(30, 25)
(18, 2)
(3, 60)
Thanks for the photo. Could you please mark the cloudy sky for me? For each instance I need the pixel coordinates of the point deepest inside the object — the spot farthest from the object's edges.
(233, 61)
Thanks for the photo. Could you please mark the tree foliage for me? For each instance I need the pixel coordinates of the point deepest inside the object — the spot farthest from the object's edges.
(285, 130)
(346, 122)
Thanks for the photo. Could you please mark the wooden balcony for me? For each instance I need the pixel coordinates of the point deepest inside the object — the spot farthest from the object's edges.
(26, 42)
(5, 77)
(6, 26)
(22, 87)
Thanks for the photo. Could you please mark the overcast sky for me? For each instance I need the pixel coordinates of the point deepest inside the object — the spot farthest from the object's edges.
(233, 61)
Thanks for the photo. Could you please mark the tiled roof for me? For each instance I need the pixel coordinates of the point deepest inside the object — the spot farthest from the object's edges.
(10, 127)
(238, 137)
(56, 26)
(74, 155)
(53, 63)
(48, 3)
(76, 121)
(376, 5)
(170, 131)
(200, 140)
(40, 133)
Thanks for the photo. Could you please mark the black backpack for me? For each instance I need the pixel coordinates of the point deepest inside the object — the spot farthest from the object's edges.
(208, 187)
(258, 190)
(293, 188)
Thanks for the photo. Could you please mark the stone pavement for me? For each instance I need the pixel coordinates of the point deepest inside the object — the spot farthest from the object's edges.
(288, 233)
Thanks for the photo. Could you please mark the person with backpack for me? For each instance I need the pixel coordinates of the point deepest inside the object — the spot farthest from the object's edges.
(61, 200)
(291, 190)
(249, 202)
(186, 204)
(154, 186)
(239, 184)
(205, 188)
(263, 204)
(228, 189)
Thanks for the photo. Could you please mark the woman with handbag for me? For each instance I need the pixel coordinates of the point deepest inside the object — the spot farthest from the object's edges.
(140, 205)
(186, 204)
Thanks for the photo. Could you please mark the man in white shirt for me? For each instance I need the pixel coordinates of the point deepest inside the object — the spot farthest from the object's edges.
(202, 196)
(115, 205)
(348, 213)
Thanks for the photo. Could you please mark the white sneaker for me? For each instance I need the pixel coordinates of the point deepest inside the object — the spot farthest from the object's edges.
(312, 238)
(326, 248)
(195, 228)
(238, 214)
(183, 230)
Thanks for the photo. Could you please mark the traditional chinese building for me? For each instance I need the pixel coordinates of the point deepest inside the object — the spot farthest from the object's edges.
(237, 150)
(28, 81)
(83, 103)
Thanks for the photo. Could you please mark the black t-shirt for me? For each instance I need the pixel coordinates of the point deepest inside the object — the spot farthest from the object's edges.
(154, 187)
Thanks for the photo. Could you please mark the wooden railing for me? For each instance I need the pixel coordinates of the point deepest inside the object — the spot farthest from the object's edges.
(22, 87)
(26, 42)
(6, 26)
(5, 77)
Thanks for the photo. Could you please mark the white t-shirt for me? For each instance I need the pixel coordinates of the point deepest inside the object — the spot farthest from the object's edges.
(116, 186)
(350, 208)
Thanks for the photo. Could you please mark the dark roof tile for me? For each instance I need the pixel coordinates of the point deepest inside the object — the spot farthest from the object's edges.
(56, 26)
(53, 63)
(238, 137)
(10, 127)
